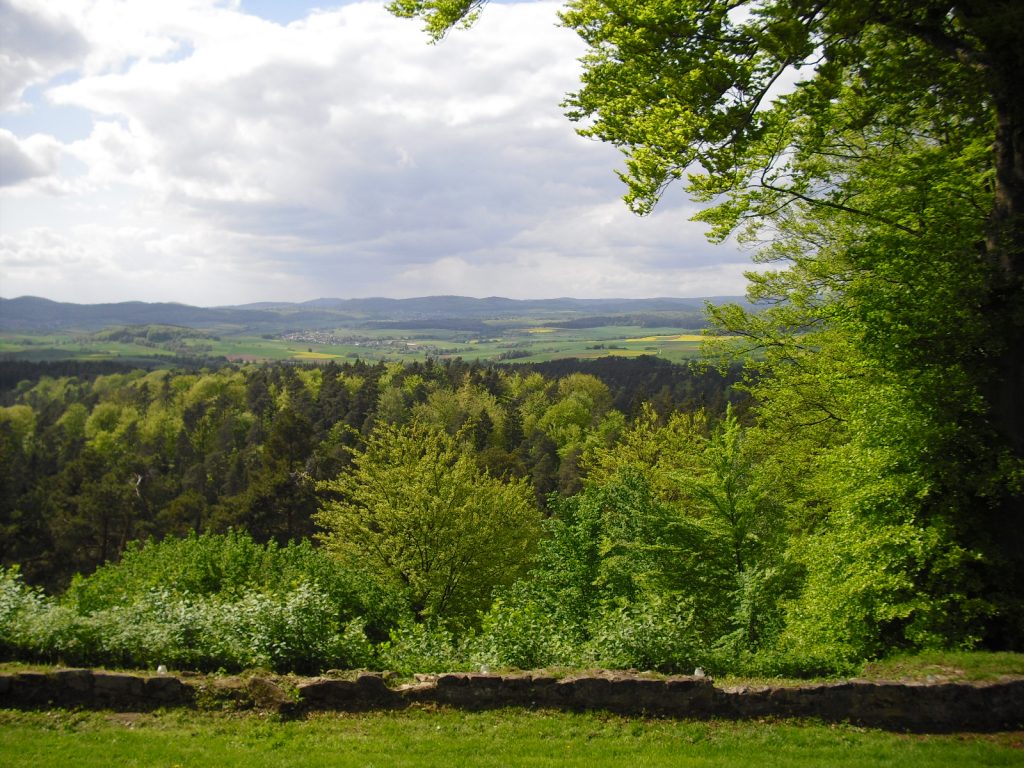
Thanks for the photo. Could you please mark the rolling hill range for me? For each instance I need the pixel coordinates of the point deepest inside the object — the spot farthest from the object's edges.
(30, 314)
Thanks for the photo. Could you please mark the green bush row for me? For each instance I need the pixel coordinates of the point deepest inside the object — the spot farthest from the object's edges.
(300, 630)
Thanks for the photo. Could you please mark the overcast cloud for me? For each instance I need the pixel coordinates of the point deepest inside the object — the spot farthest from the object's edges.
(194, 151)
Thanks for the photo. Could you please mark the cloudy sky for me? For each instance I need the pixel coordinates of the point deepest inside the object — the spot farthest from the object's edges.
(228, 151)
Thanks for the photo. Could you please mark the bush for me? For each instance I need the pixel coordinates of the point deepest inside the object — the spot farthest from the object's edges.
(20, 606)
(231, 566)
(206, 603)
(651, 633)
(296, 631)
(415, 647)
(523, 636)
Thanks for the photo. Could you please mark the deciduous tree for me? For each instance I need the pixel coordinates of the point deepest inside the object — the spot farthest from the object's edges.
(419, 513)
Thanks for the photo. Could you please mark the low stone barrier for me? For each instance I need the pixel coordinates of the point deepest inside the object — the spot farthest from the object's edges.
(69, 688)
(921, 707)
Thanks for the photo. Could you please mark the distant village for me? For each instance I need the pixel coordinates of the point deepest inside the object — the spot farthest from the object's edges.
(402, 343)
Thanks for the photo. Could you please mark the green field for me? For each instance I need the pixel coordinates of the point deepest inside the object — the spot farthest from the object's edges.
(514, 344)
(452, 738)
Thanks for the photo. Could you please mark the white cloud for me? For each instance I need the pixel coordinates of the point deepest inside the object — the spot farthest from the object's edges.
(554, 275)
(25, 160)
(39, 41)
(236, 159)
(95, 263)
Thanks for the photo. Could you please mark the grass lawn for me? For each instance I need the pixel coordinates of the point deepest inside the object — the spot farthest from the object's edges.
(453, 738)
(942, 666)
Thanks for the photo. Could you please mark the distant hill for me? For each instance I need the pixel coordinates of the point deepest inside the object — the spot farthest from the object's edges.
(34, 314)
(495, 306)
(30, 313)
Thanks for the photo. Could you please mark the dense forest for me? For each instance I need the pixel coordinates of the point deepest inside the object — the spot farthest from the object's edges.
(95, 463)
(627, 513)
(91, 463)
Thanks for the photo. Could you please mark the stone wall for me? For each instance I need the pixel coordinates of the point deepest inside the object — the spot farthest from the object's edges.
(932, 707)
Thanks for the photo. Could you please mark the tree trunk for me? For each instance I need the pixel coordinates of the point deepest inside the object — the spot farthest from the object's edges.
(996, 45)
(997, 24)
(1005, 247)
(1004, 42)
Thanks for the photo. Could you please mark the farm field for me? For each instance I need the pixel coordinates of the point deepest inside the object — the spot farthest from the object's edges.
(65, 346)
(443, 738)
(517, 344)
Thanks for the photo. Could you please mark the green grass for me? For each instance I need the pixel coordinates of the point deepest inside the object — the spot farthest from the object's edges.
(451, 738)
(942, 666)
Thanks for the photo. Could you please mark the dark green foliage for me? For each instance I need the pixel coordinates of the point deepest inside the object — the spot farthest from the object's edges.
(634, 381)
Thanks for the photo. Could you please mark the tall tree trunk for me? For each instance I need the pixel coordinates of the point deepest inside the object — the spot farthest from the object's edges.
(998, 25)
(1006, 248)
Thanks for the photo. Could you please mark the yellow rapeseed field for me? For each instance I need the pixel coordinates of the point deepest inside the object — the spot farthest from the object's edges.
(674, 337)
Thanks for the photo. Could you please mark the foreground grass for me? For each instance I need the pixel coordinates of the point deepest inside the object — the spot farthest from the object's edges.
(943, 666)
(445, 738)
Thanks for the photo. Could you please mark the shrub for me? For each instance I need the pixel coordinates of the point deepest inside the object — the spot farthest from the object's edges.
(651, 633)
(19, 607)
(207, 603)
(523, 636)
(418, 647)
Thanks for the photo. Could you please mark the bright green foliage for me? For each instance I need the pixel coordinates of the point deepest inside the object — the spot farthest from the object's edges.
(874, 586)
(205, 602)
(416, 511)
(742, 527)
(21, 421)
(870, 396)
(659, 453)
(229, 565)
(414, 647)
(17, 601)
(439, 15)
(627, 579)
(730, 527)
(873, 178)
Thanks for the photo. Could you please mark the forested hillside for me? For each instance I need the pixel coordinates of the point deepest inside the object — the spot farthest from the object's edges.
(95, 459)
(33, 314)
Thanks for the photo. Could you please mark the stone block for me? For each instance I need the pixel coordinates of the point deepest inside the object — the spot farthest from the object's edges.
(268, 695)
(167, 692)
(359, 695)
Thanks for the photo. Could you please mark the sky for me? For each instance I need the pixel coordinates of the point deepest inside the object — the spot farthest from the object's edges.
(220, 152)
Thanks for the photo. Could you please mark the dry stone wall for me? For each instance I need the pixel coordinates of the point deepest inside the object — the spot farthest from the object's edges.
(932, 707)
